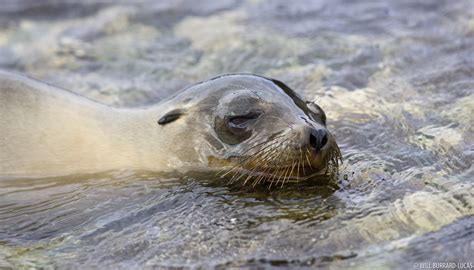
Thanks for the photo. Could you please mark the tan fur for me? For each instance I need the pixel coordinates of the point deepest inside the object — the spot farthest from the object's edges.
(49, 131)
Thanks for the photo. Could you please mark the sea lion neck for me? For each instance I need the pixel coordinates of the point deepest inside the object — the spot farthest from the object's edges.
(132, 137)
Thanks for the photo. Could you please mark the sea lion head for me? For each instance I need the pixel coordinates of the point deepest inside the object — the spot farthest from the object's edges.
(252, 127)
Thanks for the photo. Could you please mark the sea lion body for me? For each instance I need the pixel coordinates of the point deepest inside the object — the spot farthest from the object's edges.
(49, 131)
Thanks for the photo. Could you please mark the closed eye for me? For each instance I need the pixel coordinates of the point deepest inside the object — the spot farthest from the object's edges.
(238, 120)
(241, 121)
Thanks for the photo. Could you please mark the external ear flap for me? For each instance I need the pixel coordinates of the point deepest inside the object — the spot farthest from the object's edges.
(170, 116)
(316, 109)
(292, 94)
(309, 107)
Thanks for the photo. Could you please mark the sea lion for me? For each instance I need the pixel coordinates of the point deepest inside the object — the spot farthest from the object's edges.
(240, 124)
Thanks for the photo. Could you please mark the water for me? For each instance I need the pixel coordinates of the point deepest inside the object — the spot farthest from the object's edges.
(396, 79)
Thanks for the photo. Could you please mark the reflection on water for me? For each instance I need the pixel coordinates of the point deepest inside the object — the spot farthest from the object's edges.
(395, 79)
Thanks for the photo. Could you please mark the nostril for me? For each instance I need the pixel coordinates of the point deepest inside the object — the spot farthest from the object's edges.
(324, 141)
(313, 141)
(318, 139)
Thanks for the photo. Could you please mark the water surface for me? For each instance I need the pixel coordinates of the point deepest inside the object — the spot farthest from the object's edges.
(396, 79)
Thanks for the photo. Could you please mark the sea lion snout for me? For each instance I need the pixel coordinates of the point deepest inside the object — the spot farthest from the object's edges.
(318, 138)
(311, 138)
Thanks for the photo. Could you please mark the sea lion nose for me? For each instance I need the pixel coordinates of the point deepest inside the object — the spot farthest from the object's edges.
(318, 138)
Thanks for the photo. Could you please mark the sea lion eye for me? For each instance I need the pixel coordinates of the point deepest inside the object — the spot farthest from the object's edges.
(239, 120)
(236, 128)
(243, 121)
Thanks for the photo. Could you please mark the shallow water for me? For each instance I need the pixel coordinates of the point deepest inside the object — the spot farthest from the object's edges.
(396, 79)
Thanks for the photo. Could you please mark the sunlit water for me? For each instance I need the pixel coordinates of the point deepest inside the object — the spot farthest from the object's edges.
(396, 79)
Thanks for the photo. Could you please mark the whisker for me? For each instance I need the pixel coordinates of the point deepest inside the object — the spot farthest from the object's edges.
(273, 163)
(267, 141)
(250, 159)
(276, 174)
(289, 175)
(261, 177)
(302, 167)
(256, 167)
(239, 163)
(309, 162)
(298, 168)
(284, 177)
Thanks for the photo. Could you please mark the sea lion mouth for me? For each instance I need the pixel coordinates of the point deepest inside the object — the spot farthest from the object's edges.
(276, 176)
(274, 166)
